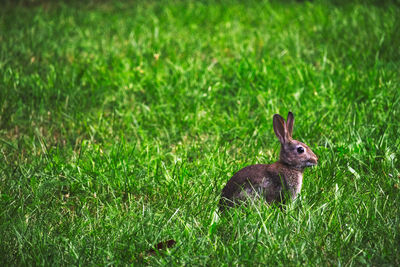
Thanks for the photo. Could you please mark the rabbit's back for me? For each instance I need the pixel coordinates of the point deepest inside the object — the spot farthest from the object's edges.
(259, 179)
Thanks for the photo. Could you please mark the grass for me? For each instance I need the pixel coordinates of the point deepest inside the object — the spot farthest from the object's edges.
(120, 123)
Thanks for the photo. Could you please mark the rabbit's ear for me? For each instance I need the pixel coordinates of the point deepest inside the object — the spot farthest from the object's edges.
(289, 124)
(280, 128)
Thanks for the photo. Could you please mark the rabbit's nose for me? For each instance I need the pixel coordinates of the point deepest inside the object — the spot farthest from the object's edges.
(313, 160)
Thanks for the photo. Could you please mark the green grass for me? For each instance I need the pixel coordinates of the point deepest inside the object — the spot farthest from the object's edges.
(120, 123)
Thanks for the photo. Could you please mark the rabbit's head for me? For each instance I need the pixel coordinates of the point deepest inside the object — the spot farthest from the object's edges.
(293, 153)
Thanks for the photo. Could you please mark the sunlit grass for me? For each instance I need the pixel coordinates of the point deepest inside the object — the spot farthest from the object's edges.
(120, 123)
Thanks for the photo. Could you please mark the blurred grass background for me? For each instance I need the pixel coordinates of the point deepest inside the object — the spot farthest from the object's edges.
(121, 121)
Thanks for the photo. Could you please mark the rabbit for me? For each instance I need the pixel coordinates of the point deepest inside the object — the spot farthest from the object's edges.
(272, 181)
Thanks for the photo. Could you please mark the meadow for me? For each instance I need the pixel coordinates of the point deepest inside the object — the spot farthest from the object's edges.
(121, 121)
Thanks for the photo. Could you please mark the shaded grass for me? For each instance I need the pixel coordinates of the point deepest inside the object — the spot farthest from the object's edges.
(121, 122)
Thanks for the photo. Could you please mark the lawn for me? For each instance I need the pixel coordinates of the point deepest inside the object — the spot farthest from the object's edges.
(120, 123)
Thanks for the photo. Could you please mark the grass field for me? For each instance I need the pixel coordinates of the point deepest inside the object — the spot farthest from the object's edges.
(120, 123)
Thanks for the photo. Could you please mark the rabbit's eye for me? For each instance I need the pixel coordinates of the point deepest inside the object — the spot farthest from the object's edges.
(300, 150)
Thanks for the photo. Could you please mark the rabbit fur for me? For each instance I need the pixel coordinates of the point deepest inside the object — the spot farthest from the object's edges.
(272, 181)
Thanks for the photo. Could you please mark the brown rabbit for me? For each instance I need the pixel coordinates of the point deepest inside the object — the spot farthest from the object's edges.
(272, 181)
